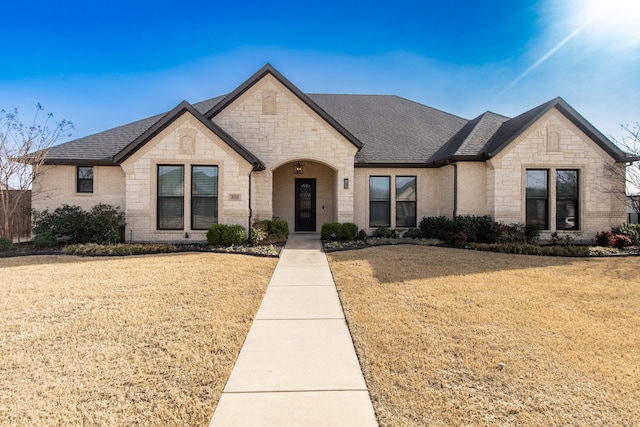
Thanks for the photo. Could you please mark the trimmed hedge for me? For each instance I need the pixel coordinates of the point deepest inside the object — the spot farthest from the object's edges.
(226, 235)
(5, 244)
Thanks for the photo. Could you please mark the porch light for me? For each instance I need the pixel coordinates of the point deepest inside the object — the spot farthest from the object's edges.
(346, 183)
(297, 168)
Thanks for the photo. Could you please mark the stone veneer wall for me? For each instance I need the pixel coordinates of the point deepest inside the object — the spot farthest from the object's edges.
(434, 189)
(185, 142)
(569, 148)
(277, 127)
(57, 186)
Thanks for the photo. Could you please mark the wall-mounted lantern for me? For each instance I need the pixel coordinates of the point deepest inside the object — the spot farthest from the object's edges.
(297, 169)
(346, 183)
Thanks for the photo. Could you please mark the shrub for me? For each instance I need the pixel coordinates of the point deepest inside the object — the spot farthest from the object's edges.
(557, 239)
(348, 231)
(630, 230)
(362, 235)
(331, 231)
(225, 235)
(385, 232)
(604, 239)
(413, 233)
(621, 241)
(45, 240)
(460, 239)
(278, 228)
(559, 250)
(259, 231)
(74, 225)
(436, 227)
(5, 244)
(119, 249)
(104, 223)
(532, 233)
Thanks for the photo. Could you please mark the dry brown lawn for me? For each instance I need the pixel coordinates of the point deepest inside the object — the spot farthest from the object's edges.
(146, 340)
(432, 326)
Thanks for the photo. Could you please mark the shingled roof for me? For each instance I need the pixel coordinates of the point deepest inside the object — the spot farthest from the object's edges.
(387, 129)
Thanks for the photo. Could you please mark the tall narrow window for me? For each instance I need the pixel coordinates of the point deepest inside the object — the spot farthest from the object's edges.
(379, 201)
(567, 200)
(537, 195)
(84, 179)
(204, 197)
(170, 197)
(405, 201)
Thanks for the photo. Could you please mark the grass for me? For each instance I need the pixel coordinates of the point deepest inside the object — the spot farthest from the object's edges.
(147, 340)
(454, 337)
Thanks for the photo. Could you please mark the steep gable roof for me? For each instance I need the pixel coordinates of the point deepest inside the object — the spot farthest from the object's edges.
(468, 143)
(100, 148)
(514, 127)
(268, 69)
(172, 116)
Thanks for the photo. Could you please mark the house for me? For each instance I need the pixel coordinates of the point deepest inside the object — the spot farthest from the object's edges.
(268, 150)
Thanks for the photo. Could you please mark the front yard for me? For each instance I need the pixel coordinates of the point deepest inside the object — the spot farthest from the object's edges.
(454, 337)
(147, 340)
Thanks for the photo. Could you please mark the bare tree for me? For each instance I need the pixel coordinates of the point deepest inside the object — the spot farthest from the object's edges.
(23, 150)
(630, 143)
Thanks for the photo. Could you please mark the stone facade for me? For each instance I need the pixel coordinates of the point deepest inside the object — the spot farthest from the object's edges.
(276, 126)
(280, 127)
(599, 208)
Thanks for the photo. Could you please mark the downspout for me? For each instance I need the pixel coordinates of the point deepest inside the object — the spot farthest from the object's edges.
(455, 189)
(250, 210)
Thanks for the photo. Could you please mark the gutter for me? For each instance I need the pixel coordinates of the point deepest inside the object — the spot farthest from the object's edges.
(250, 210)
(455, 189)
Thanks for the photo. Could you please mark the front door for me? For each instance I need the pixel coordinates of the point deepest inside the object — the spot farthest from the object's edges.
(305, 204)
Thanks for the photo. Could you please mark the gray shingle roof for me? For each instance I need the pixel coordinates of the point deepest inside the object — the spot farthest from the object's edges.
(393, 130)
(388, 130)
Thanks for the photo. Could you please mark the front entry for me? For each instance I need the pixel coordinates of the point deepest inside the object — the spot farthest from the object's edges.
(305, 204)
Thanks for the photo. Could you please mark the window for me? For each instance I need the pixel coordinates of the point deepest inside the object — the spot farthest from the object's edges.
(537, 198)
(84, 179)
(204, 197)
(405, 201)
(379, 201)
(170, 197)
(567, 200)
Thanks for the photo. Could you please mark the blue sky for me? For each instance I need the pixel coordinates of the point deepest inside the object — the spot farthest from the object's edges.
(103, 64)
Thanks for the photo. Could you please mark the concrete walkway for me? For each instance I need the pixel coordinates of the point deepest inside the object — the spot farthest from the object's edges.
(298, 366)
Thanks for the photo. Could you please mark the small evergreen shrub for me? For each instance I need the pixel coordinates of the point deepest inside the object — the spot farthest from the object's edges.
(557, 239)
(385, 232)
(72, 224)
(460, 239)
(413, 233)
(331, 231)
(362, 235)
(5, 244)
(630, 230)
(45, 240)
(348, 231)
(226, 235)
(436, 227)
(278, 228)
(121, 249)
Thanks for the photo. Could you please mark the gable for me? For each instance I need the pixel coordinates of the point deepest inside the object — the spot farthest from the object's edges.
(277, 125)
(268, 70)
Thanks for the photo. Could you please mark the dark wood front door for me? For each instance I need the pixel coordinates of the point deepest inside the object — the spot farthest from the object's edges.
(305, 205)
